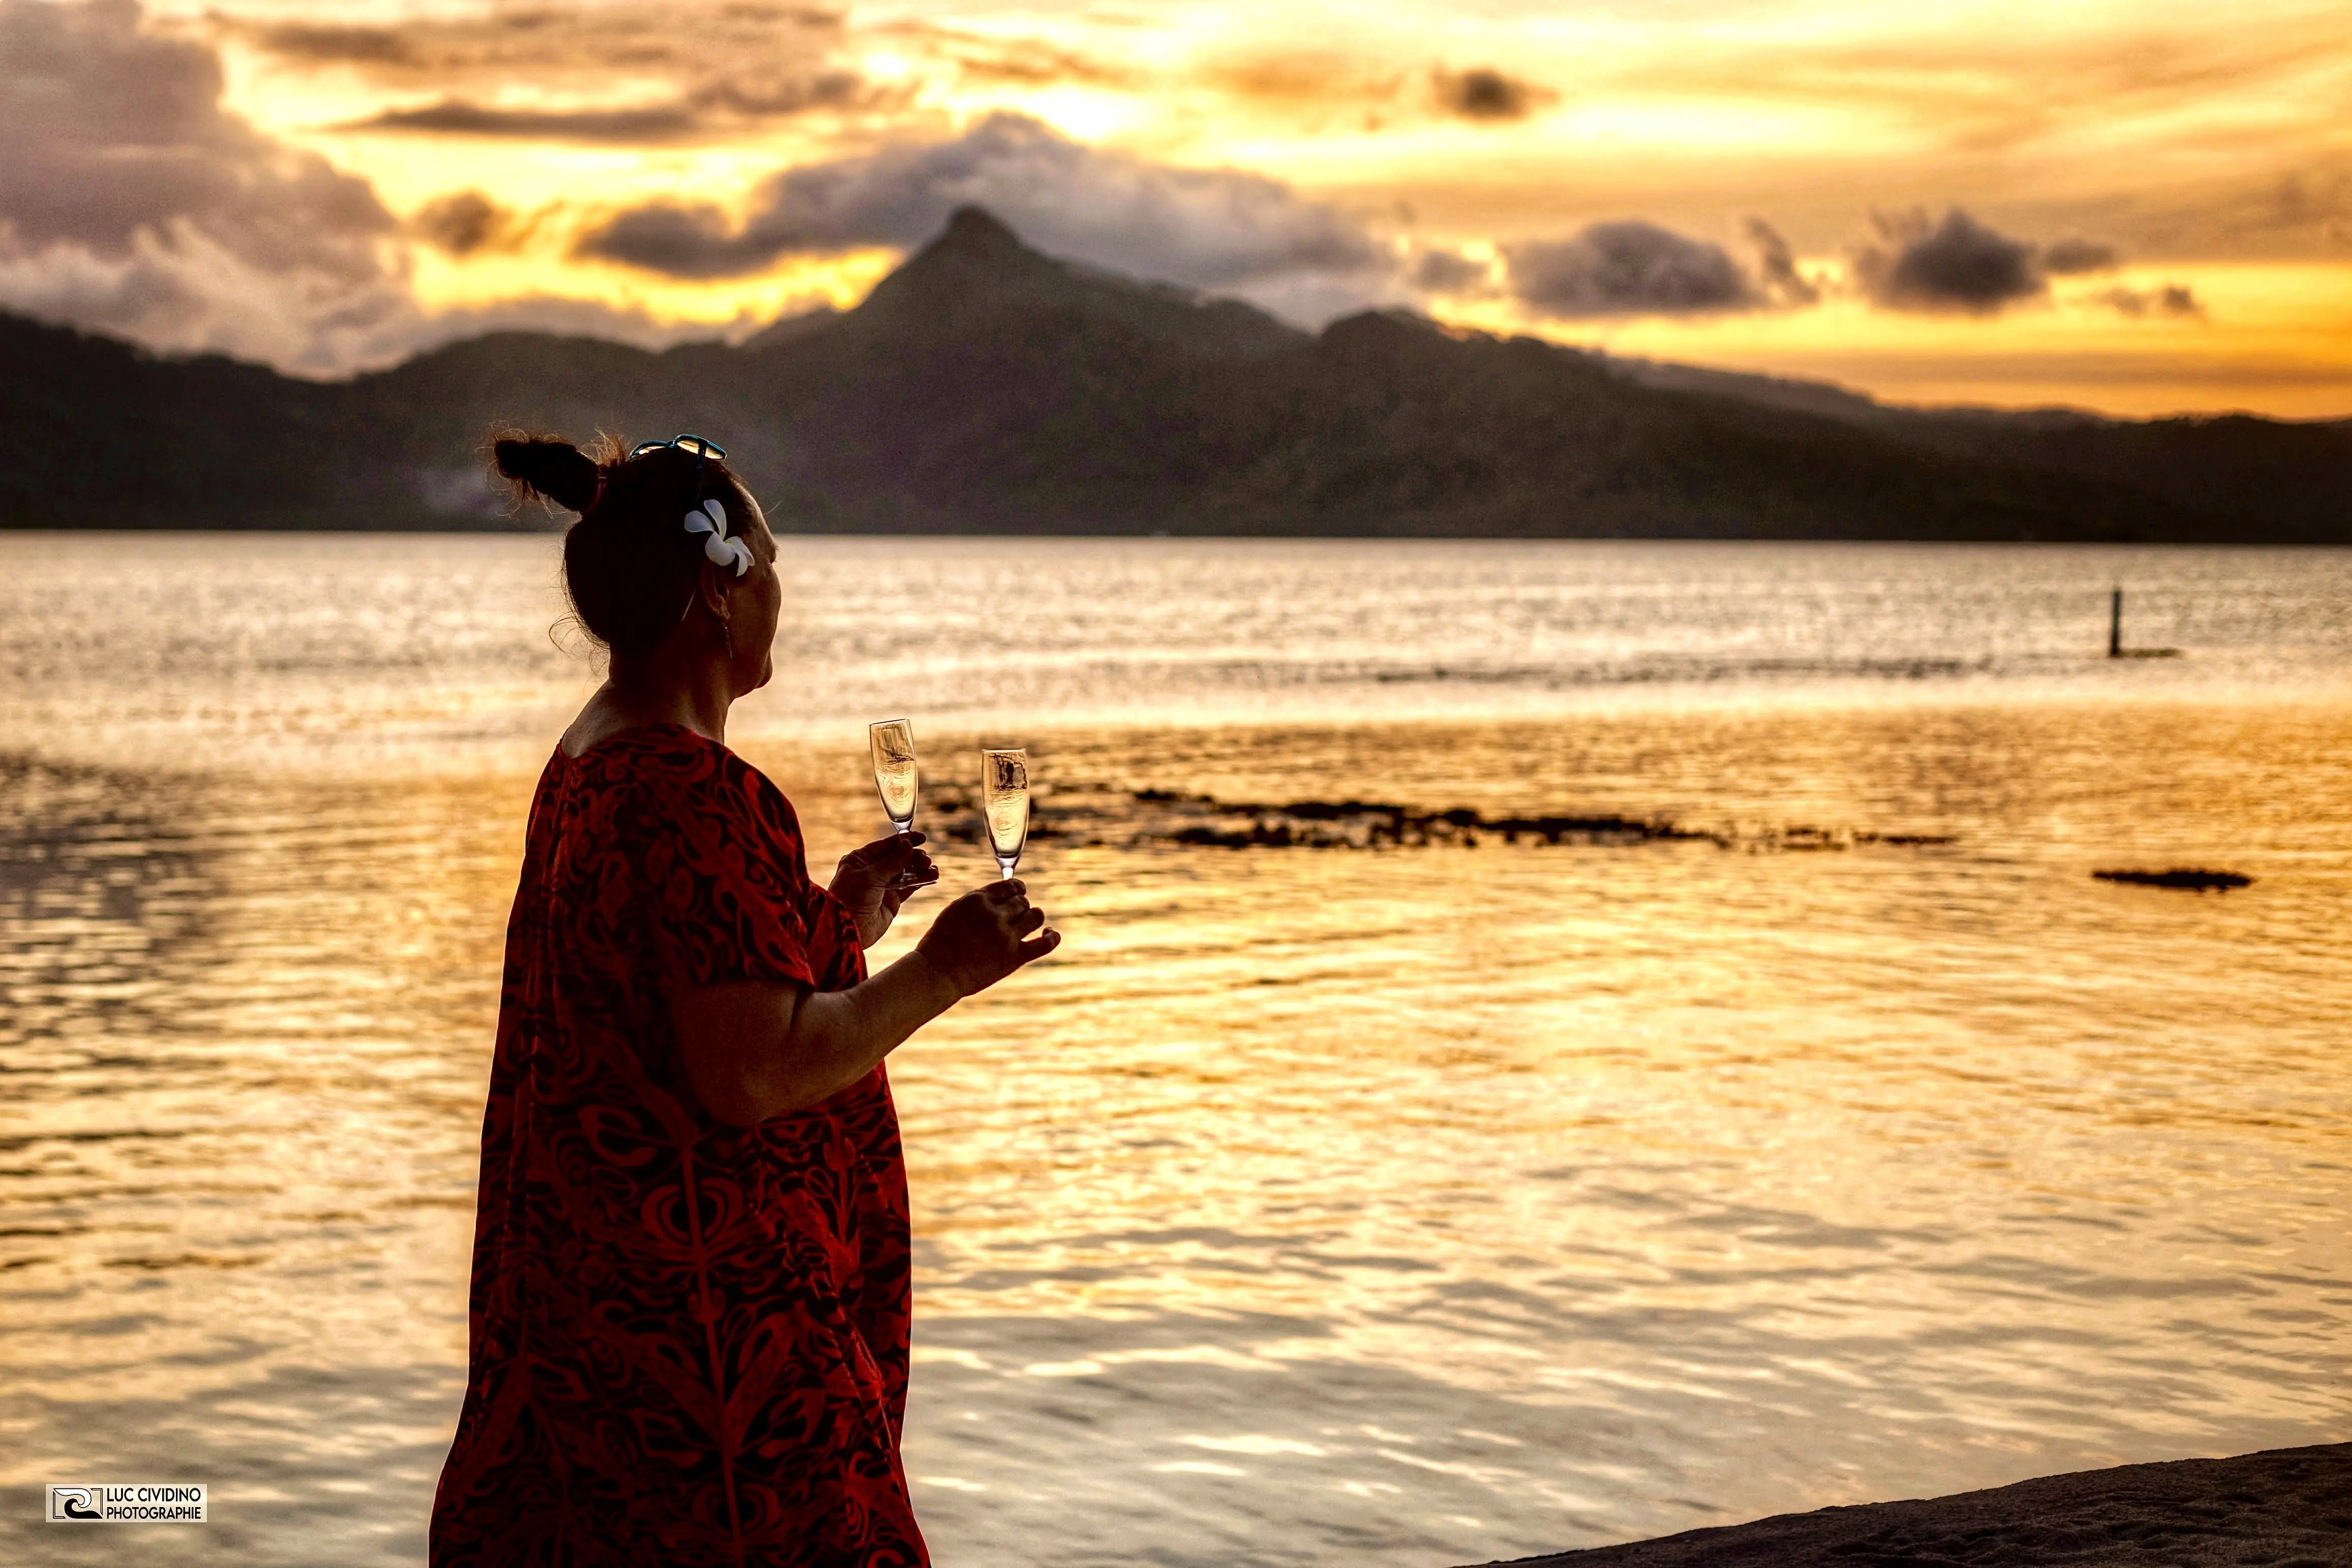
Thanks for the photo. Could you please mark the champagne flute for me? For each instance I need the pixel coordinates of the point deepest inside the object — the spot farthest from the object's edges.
(892, 742)
(1004, 801)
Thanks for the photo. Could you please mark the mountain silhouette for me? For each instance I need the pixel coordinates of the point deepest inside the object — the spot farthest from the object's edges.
(984, 387)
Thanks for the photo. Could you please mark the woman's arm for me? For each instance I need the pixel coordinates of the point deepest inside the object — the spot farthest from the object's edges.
(753, 1050)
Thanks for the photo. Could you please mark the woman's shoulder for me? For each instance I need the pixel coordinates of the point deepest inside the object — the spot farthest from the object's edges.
(682, 777)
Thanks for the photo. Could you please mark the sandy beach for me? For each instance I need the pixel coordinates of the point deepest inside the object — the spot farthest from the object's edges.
(2288, 1507)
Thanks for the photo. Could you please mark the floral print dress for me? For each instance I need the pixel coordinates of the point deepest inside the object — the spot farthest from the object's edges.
(689, 1340)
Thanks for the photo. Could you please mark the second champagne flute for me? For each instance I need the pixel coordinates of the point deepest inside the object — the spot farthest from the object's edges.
(1004, 802)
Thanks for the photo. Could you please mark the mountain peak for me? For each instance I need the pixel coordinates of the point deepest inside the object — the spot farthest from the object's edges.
(978, 276)
(977, 244)
(976, 258)
(976, 229)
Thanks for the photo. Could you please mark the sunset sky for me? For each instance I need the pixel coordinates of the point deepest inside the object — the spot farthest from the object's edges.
(2141, 208)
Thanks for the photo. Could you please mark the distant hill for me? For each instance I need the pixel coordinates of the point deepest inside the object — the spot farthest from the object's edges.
(983, 387)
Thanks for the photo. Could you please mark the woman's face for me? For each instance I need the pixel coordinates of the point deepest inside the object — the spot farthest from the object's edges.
(755, 599)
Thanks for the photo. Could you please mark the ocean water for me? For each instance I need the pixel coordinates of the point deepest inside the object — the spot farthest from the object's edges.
(1409, 1203)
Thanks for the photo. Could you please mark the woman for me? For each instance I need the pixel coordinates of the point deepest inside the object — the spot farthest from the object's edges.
(690, 1290)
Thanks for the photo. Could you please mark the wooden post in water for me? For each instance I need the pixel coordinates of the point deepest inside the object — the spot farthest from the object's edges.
(2115, 627)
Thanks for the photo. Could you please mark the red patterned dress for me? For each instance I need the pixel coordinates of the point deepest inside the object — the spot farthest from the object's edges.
(688, 1340)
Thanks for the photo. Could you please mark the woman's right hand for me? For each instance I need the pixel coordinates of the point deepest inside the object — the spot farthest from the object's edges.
(978, 939)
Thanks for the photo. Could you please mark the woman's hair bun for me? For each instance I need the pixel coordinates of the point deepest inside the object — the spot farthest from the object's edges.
(555, 469)
(630, 564)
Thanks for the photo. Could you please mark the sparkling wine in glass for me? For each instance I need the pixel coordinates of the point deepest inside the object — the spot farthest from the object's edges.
(1004, 801)
(892, 741)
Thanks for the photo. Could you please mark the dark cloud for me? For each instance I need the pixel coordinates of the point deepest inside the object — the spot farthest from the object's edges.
(1962, 264)
(1627, 268)
(1205, 228)
(722, 107)
(457, 116)
(2068, 256)
(330, 44)
(467, 222)
(2166, 299)
(689, 242)
(130, 202)
(1487, 94)
(1959, 265)
(1449, 272)
(1777, 267)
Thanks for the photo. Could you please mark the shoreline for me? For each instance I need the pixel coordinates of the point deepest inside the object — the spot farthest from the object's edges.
(2283, 1508)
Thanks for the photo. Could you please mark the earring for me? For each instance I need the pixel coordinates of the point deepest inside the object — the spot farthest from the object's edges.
(727, 634)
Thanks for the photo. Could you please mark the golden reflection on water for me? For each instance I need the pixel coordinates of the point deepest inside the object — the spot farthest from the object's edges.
(1430, 1204)
(1888, 1170)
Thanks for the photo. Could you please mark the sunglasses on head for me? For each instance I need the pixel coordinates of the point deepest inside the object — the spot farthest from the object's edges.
(700, 445)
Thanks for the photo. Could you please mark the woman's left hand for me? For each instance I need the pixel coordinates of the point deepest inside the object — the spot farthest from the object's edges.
(867, 882)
